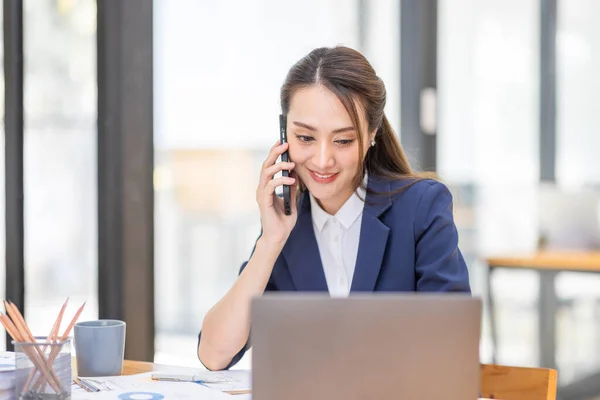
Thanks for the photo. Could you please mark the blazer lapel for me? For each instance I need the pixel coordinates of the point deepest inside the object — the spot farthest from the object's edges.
(373, 238)
(301, 252)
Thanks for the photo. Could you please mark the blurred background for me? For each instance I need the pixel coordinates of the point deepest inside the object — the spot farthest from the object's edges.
(498, 96)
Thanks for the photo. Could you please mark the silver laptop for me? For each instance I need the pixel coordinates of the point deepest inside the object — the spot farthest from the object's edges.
(376, 346)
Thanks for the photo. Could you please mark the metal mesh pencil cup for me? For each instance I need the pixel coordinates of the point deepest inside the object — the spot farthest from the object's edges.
(43, 370)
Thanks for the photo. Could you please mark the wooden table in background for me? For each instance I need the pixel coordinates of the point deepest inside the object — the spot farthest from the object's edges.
(548, 264)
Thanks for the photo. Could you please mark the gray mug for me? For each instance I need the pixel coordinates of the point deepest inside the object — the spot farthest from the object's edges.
(99, 347)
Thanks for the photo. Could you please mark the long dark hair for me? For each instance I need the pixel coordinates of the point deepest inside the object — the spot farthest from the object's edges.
(350, 77)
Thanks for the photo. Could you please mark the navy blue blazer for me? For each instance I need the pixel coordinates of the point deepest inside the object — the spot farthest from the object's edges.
(408, 242)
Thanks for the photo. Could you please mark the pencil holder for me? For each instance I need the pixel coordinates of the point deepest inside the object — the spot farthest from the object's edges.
(43, 370)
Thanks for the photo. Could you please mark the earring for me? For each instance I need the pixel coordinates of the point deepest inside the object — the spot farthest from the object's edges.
(372, 142)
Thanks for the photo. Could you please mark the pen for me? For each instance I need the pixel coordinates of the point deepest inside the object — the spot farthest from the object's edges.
(86, 385)
(183, 378)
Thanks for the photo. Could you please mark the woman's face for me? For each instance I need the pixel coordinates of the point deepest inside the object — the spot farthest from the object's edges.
(324, 145)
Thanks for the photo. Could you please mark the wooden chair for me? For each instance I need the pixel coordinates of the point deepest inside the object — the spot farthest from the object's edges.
(517, 383)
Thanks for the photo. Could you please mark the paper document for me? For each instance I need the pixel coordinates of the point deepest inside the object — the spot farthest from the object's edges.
(242, 397)
(167, 391)
(7, 361)
(224, 381)
(7, 374)
(112, 383)
(227, 381)
(143, 387)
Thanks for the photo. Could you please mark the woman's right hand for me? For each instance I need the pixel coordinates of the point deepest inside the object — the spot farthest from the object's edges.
(276, 226)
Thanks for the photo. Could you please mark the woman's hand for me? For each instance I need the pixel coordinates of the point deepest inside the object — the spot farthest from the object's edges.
(276, 225)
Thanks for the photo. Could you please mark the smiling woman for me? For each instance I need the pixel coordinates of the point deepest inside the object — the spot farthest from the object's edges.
(362, 221)
(324, 146)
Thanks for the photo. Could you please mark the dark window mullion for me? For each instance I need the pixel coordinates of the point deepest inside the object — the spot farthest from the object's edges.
(125, 169)
(418, 73)
(13, 139)
(548, 27)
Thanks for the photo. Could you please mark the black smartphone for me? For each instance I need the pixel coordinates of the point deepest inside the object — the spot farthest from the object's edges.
(285, 158)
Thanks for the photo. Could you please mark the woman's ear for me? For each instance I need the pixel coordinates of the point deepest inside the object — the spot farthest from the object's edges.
(372, 137)
(372, 134)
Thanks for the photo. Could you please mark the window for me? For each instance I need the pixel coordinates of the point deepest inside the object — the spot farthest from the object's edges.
(578, 85)
(488, 140)
(60, 160)
(217, 81)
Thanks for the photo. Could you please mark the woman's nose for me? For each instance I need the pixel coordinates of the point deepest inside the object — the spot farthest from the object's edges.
(324, 156)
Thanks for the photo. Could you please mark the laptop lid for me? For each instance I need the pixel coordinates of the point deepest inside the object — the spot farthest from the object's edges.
(372, 346)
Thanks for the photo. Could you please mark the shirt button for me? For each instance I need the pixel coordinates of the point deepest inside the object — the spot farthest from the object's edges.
(336, 238)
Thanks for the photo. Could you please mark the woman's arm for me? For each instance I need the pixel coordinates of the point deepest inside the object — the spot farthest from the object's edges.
(439, 264)
(226, 326)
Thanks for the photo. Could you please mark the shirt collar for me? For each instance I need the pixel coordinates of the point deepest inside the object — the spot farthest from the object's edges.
(350, 211)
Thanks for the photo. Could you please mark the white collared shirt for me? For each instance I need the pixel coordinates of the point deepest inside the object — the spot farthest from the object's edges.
(338, 237)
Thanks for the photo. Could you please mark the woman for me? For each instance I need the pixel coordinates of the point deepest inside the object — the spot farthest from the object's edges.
(362, 220)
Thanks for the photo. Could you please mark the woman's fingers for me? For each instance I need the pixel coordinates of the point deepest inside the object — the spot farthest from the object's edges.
(276, 151)
(276, 182)
(273, 169)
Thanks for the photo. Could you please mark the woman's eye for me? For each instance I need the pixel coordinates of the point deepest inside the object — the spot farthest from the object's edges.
(344, 142)
(304, 138)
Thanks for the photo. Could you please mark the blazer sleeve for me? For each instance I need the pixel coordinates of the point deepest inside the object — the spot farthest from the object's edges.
(270, 287)
(439, 264)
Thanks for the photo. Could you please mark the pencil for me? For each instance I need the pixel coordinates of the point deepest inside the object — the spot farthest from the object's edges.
(55, 350)
(54, 333)
(72, 323)
(16, 335)
(51, 337)
(10, 327)
(17, 328)
(35, 355)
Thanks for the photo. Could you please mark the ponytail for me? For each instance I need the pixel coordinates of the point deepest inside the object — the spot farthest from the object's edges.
(388, 160)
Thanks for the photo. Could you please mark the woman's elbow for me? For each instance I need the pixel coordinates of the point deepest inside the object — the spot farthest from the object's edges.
(212, 360)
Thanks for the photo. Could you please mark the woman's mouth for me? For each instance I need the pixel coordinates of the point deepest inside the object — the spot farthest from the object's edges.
(323, 178)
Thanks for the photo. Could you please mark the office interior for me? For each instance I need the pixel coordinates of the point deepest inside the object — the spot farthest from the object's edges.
(134, 132)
